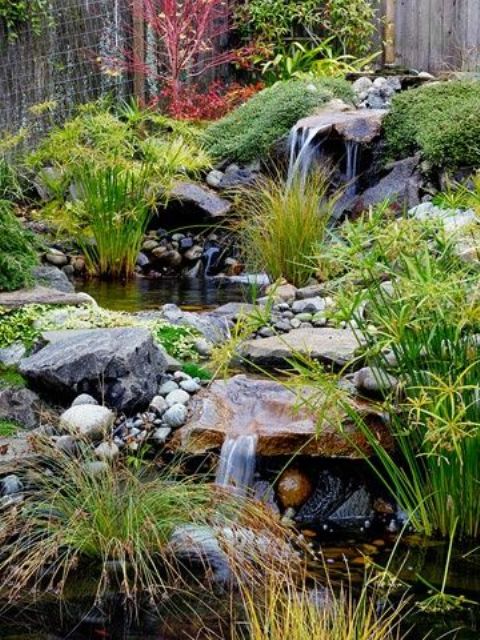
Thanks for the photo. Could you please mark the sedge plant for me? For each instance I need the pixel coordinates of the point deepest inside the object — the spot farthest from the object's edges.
(283, 224)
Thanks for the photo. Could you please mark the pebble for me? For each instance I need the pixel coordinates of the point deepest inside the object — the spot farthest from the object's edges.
(309, 305)
(202, 347)
(66, 444)
(176, 416)
(107, 451)
(160, 435)
(11, 484)
(159, 405)
(167, 387)
(179, 396)
(190, 386)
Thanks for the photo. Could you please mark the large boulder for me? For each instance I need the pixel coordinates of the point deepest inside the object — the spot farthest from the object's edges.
(267, 409)
(120, 366)
(54, 278)
(335, 347)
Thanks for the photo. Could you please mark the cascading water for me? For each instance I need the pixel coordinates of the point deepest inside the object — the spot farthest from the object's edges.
(352, 151)
(237, 462)
(303, 149)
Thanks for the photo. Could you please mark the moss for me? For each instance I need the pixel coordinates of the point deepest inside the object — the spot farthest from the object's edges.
(8, 428)
(9, 377)
(196, 371)
(440, 120)
(18, 253)
(250, 131)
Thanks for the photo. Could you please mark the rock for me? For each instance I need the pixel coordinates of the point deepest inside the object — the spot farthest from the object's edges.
(56, 257)
(266, 332)
(53, 278)
(179, 396)
(41, 295)
(193, 254)
(90, 421)
(161, 435)
(167, 387)
(84, 398)
(214, 178)
(362, 85)
(331, 492)
(235, 176)
(11, 356)
(350, 124)
(97, 467)
(150, 245)
(121, 365)
(107, 451)
(159, 405)
(293, 488)
(202, 347)
(10, 485)
(400, 187)
(243, 405)
(67, 444)
(47, 178)
(311, 291)
(309, 305)
(205, 201)
(234, 310)
(19, 405)
(190, 386)
(452, 219)
(284, 293)
(175, 416)
(212, 326)
(331, 346)
(374, 381)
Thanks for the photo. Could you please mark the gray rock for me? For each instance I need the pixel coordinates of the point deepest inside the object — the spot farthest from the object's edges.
(176, 416)
(67, 444)
(207, 202)
(19, 405)
(90, 421)
(374, 381)
(202, 347)
(42, 295)
(309, 305)
(400, 186)
(167, 387)
(84, 398)
(120, 365)
(53, 278)
(331, 346)
(56, 257)
(179, 396)
(107, 451)
(214, 178)
(266, 332)
(311, 291)
(159, 405)
(10, 485)
(11, 356)
(362, 85)
(97, 467)
(190, 386)
(161, 434)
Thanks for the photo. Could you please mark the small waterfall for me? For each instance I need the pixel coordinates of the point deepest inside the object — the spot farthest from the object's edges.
(302, 152)
(352, 149)
(237, 462)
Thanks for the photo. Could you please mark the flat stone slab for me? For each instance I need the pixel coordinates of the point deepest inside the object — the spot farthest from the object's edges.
(357, 125)
(41, 295)
(331, 346)
(212, 205)
(243, 405)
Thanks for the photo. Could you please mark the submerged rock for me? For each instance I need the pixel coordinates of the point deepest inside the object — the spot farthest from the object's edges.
(122, 366)
(242, 406)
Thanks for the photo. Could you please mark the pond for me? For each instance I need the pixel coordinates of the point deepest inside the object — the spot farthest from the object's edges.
(141, 294)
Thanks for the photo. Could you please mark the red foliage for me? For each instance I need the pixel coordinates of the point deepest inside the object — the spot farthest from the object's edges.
(191, 103)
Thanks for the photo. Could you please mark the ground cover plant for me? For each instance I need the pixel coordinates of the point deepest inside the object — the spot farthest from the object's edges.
(251, 130)
(440, 120)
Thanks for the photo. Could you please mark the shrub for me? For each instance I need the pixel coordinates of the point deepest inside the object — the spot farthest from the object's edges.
(283, 225)
(440, 120)
(252, 129)
(17, 251)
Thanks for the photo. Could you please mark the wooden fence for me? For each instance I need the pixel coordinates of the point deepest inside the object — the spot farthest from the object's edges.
(435, 35)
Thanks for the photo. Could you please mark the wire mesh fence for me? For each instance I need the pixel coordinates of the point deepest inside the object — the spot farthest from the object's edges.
(44, 76)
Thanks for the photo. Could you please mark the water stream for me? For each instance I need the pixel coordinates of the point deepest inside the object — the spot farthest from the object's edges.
(303, 150)
(237, 462)
(351, 172)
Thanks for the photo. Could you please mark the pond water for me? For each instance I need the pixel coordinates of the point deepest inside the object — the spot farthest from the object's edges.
(140, 294)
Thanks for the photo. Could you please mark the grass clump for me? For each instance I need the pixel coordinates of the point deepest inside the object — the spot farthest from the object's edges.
(9, 377)
(252, 129)
(441, 120)
(283, 225)
(8, 428)
(18, 253)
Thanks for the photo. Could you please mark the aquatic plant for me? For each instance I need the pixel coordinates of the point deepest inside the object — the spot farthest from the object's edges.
(113, 214)
(18, 251)
(440, 120)
(251, 130)
(283, 225)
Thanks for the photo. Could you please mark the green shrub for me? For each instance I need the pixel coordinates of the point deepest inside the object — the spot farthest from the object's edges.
(18, 325)
(17, 251)
(252, 129)
(440, 120)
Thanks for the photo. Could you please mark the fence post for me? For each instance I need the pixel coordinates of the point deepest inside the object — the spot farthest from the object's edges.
(390, 32)
(138, 46)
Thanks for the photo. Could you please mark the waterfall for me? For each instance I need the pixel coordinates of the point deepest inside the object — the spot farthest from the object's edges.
(237, 462)
(352, 149)
(302, 152)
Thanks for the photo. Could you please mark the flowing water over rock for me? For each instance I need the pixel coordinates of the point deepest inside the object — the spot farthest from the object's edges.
(237, 462)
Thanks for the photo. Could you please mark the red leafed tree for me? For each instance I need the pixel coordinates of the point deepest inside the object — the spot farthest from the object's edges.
(187, 35)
